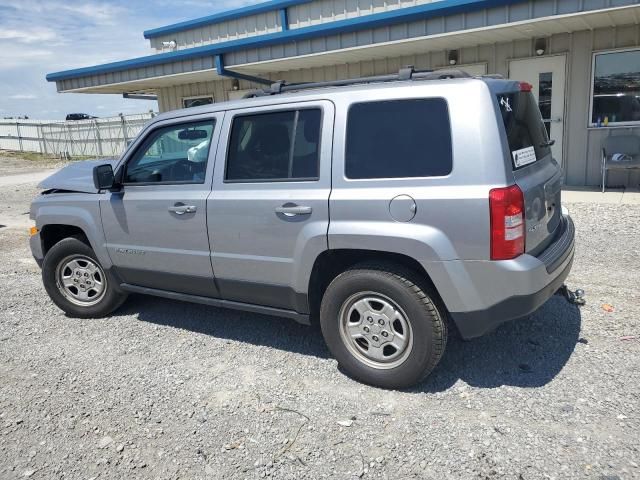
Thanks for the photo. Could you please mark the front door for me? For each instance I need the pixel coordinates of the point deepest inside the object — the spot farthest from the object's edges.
(268, 214)
(547, 76)
(156, 225)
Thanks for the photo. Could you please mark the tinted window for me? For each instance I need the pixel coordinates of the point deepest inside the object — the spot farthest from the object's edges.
(275, 146)
(177, 153)
(523, 123)
(400, 138)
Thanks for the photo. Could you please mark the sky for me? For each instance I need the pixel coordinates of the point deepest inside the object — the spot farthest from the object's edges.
(43, 36)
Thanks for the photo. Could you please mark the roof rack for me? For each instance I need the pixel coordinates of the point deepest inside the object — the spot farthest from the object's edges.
(405, 73)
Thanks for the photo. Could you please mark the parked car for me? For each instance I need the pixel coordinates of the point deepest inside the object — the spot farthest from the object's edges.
(379, 209)
(79, 116)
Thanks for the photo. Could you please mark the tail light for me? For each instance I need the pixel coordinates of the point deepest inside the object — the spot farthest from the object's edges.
(525, 87)
(506, 207)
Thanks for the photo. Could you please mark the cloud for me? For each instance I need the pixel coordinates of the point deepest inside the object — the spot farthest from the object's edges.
(23, 96)
(28, 35)
(39, 37)
(91, 10)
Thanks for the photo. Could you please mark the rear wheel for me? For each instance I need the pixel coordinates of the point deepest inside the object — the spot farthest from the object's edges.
(77, 283)
(383, 326)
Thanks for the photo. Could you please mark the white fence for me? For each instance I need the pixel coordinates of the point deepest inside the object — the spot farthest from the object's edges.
(98, 137)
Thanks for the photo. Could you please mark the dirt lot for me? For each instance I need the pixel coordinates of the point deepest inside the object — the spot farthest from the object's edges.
(164, 389)
(13, 163)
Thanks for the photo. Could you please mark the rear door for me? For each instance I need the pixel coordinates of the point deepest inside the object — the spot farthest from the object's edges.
(268, 214)
(534, 169)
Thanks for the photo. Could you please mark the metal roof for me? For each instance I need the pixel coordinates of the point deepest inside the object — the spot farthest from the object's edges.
(223, 17)
(401, 15)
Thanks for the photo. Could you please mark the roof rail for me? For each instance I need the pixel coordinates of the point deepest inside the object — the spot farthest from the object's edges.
(405, 73)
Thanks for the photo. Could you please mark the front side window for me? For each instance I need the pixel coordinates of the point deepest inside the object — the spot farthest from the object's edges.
(616, 88)
(276, 146)
(398, 139)
(175, 154)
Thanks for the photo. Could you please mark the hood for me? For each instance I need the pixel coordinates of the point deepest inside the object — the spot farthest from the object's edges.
(76, 177)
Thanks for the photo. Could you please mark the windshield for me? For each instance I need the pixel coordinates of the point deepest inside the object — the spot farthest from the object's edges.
(526, 133)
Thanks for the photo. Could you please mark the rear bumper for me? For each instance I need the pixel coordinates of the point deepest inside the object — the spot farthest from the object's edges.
(515, 288)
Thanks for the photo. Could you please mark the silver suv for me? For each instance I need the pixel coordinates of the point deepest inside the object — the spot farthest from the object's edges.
(379, 207)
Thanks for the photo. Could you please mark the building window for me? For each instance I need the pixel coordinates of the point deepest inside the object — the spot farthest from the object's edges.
(616, 88)
(398, 139)
(189, 102)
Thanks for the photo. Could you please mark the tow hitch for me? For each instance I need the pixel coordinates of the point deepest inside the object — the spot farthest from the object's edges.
(574, 297)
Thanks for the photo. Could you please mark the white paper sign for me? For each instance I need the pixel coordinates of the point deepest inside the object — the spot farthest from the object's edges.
(524, 156)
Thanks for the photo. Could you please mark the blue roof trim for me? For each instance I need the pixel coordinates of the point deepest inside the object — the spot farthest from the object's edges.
(273, 5)
(440, 8)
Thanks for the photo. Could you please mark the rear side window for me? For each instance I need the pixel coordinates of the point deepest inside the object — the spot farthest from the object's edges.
(398, 139)
(275, 146)
(523, 125)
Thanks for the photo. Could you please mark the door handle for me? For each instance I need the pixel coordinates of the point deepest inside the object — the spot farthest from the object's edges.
(181, 209)
(291, 209)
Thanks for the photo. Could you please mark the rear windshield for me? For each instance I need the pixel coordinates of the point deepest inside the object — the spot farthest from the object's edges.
(526, 133)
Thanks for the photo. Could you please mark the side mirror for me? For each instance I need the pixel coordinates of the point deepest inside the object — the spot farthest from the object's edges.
(103, 178)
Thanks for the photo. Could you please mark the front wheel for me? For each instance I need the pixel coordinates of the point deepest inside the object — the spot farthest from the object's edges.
(383, 326)
(77, 283)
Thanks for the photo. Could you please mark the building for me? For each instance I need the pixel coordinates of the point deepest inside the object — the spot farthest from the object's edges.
(581, 56)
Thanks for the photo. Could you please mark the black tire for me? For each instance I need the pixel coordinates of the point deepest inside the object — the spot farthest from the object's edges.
(110, 300)
(413, 296)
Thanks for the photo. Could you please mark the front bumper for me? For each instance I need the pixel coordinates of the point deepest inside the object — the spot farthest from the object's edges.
(36, 248)
(516, 288)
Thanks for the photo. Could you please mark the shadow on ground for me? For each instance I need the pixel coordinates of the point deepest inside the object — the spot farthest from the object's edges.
(526, 353)
(256, 329)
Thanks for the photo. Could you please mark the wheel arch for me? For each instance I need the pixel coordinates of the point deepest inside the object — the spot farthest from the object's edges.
(70, 216)
(331, 263)
(52, 233)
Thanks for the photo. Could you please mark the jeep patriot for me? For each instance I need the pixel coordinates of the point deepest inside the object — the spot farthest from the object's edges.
(386, 209)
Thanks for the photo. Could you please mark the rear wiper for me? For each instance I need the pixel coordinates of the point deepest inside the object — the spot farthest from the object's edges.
(547, 144)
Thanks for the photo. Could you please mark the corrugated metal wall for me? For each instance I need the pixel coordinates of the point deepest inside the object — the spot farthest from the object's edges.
(244, 27)
(170, 98)
(324, 11)
(582, 144)
(421, 28)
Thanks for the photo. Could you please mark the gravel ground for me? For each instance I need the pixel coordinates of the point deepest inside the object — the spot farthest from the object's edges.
(171, 390)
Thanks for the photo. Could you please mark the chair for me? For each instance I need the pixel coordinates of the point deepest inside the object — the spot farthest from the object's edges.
(625, 144)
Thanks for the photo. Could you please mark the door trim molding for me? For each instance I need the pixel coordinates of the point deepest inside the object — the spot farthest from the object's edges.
(216, 302)
(175, 282)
